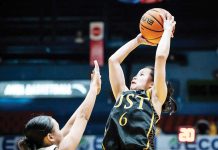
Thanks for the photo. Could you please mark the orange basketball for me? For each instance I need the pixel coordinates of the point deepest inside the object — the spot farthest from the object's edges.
(151, 24)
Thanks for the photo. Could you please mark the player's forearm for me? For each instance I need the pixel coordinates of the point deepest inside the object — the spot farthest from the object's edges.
(124, 51)
(81, 111)
(76, 127)
(72, 139)
(88, 104)
(164, 44)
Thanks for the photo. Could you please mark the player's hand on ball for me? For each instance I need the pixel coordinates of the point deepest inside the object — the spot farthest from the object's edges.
(141, 40)
(169, 23)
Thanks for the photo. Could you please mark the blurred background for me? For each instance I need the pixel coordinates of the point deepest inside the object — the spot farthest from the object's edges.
(46, 53)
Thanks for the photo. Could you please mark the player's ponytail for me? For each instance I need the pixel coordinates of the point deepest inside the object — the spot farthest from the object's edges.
(169, 105)
(26, 144)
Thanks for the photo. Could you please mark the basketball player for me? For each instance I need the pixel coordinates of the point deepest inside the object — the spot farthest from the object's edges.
(131, 123)
(43, 133)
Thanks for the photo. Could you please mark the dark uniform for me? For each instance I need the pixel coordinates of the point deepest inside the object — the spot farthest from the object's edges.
(131, 124)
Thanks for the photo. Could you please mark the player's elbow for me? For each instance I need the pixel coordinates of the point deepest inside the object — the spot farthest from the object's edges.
(111, 60)
(161, 56)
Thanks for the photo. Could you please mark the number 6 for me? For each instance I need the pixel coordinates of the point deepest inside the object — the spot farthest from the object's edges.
(123, 120)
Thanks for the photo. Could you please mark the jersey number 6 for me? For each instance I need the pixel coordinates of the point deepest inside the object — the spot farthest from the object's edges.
(123, 120)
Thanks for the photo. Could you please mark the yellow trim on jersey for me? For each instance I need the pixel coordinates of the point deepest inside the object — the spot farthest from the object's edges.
(148, 93)
(103, 146)
(157, 120)
(151, 124)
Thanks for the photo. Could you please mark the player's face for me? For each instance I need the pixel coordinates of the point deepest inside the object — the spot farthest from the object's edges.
(56, 132)
(142, 81)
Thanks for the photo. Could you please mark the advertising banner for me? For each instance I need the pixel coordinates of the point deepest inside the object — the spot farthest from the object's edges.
(97, 42)
(163, 142)
(90, 142)
(170, 142)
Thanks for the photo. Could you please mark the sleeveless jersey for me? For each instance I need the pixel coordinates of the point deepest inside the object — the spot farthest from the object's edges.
(131, 124)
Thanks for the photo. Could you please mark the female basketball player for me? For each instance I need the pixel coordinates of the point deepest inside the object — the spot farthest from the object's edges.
(42, 132)
(131, 124)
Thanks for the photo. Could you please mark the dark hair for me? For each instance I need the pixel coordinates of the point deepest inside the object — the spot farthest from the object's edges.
(202, 126)
(169, 105)
(35, 131)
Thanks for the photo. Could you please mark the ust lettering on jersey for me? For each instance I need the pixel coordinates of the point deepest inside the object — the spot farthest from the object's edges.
(129, 102)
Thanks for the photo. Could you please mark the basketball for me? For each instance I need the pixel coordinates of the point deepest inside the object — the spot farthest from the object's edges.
(151, 24)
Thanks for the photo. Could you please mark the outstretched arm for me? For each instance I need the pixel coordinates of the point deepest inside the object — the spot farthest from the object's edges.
(162, 54)
(116, 75)
(75, 127)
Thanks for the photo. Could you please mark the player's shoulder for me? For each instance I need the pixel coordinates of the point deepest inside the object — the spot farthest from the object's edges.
(52, 147)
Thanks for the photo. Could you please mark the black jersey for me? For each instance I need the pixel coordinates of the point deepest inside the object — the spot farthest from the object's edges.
(131, 124)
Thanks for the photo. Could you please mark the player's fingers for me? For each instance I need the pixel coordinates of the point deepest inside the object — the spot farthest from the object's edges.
(144, 41)
(140, 35)
(92, 76)
(172, 35)
(169, 16)
(149, 43)
(163, 16)
(172, 19)
(96, 66)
